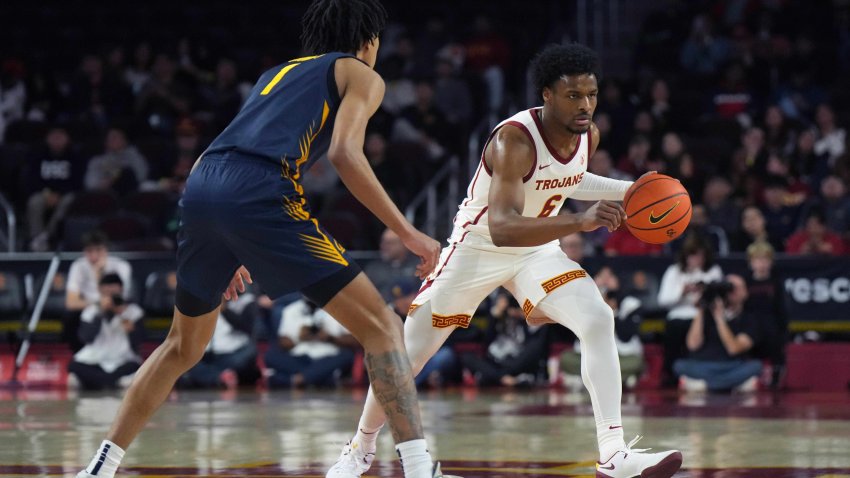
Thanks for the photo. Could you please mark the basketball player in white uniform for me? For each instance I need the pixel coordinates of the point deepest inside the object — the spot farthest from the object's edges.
(506, 234)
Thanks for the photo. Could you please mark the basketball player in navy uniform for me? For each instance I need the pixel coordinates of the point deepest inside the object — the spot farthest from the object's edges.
(506, 234)
(244, 210)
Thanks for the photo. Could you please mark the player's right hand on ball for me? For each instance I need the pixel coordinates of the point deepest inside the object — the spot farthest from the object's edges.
(426, 248)
(607, 214)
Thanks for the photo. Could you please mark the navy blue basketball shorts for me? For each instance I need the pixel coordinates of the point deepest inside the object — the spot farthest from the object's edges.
(240, 210)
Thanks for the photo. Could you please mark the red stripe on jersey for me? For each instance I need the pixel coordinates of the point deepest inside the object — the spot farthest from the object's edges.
(454, 246)
(522, 128)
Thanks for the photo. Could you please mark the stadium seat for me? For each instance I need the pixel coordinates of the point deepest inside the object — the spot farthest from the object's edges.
(93, 203)
(124, 227)
(154, 205)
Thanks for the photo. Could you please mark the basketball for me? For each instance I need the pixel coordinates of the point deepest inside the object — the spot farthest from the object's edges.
(658, 208)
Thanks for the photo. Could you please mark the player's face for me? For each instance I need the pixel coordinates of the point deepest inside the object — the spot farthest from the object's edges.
(572, 100)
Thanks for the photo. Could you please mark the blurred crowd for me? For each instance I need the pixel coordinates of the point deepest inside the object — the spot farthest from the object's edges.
(744, 101)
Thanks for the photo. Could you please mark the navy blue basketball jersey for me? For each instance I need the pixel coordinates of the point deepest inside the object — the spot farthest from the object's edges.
(289, 115)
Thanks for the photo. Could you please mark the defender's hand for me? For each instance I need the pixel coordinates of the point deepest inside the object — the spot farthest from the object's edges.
(608, 214)
(427, 249)
(237, 284)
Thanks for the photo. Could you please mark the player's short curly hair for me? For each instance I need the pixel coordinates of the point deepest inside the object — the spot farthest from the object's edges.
(341, 25)
(556, 61)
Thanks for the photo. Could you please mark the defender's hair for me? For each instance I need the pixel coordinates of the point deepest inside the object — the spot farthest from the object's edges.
(556, 61)
(341, 25)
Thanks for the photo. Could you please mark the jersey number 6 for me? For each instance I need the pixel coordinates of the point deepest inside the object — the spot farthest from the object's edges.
(550, 205)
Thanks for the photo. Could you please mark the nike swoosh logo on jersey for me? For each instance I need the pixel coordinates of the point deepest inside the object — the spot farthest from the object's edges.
(612, 427)
(653, 219)
(610, 466)
(543, 166)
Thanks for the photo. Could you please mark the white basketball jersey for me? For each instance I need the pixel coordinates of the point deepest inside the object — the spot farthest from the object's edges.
(550, 181)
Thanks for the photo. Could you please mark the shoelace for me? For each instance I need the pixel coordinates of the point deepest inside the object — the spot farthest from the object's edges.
(633, 442)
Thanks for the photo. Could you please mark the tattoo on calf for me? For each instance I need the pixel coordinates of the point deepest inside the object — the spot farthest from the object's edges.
(392, 383)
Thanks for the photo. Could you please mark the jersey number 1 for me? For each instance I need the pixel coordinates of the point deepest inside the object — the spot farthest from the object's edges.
(283, 71)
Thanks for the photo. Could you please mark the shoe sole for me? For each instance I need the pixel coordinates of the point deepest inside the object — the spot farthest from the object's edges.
(664, 469)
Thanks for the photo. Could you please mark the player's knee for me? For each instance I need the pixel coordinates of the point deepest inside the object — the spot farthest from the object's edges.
(183, 353)
(379, 329)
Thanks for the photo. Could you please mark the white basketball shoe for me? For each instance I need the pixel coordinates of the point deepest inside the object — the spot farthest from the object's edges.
(629, 463)
(352, 462)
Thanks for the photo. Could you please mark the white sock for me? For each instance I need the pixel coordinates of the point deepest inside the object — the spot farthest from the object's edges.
(609, 434)
(415, 459)
(106, 460)
(366, 439)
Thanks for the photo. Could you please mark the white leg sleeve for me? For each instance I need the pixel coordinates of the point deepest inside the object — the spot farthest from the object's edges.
(579, 306)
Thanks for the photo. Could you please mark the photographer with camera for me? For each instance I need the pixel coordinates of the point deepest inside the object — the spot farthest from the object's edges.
(718, 340)
(313, 348)
(111, 332)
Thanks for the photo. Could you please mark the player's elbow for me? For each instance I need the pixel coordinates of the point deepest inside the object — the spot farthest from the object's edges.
(340, 155)
(499, 232)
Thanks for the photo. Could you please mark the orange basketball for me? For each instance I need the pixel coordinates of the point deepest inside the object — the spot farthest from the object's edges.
(658, 208)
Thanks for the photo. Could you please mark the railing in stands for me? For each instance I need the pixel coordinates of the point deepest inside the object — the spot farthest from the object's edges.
(11, 221)
(448, 176)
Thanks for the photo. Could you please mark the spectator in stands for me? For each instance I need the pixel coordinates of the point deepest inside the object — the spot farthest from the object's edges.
(815, 238)
(780, 216)
(424, 124)
(313, 349)
(603, 165)
(627, 336)
(121, 168)
(778, 133)
(83, 279)
(396, 262)
(720, 206)
(488, 55)
(138, 72)
(704, 52)
(222, 98)
(753, 229)
(443, 365)
(680, 291)
(231, 356)
(835, 204)
(515, 350)
(637, 157)
(718, 340)
(111, 330)
(766, 302)
(54, 173)
(622, 243)
(95, 97)
(831, 138)
(13, 93)
(164, 97)
(174, 167)
(452, 95)
(805, 162)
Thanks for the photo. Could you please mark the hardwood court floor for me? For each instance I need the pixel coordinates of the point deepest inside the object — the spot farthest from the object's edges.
(474, 433)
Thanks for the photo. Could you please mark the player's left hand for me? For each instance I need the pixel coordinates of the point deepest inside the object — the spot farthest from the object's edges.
(648, 173)
(237, 284)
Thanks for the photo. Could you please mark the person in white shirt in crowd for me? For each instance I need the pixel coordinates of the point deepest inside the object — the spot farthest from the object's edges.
(231, 356)
(83, 279)
(680, 291)
(111, 330)
(313, 348)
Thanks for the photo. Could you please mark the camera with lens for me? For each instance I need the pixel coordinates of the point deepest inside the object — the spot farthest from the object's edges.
(716, 290)
(117, 300)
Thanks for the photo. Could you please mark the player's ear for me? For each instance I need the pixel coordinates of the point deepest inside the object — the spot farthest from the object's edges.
(547, 94)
